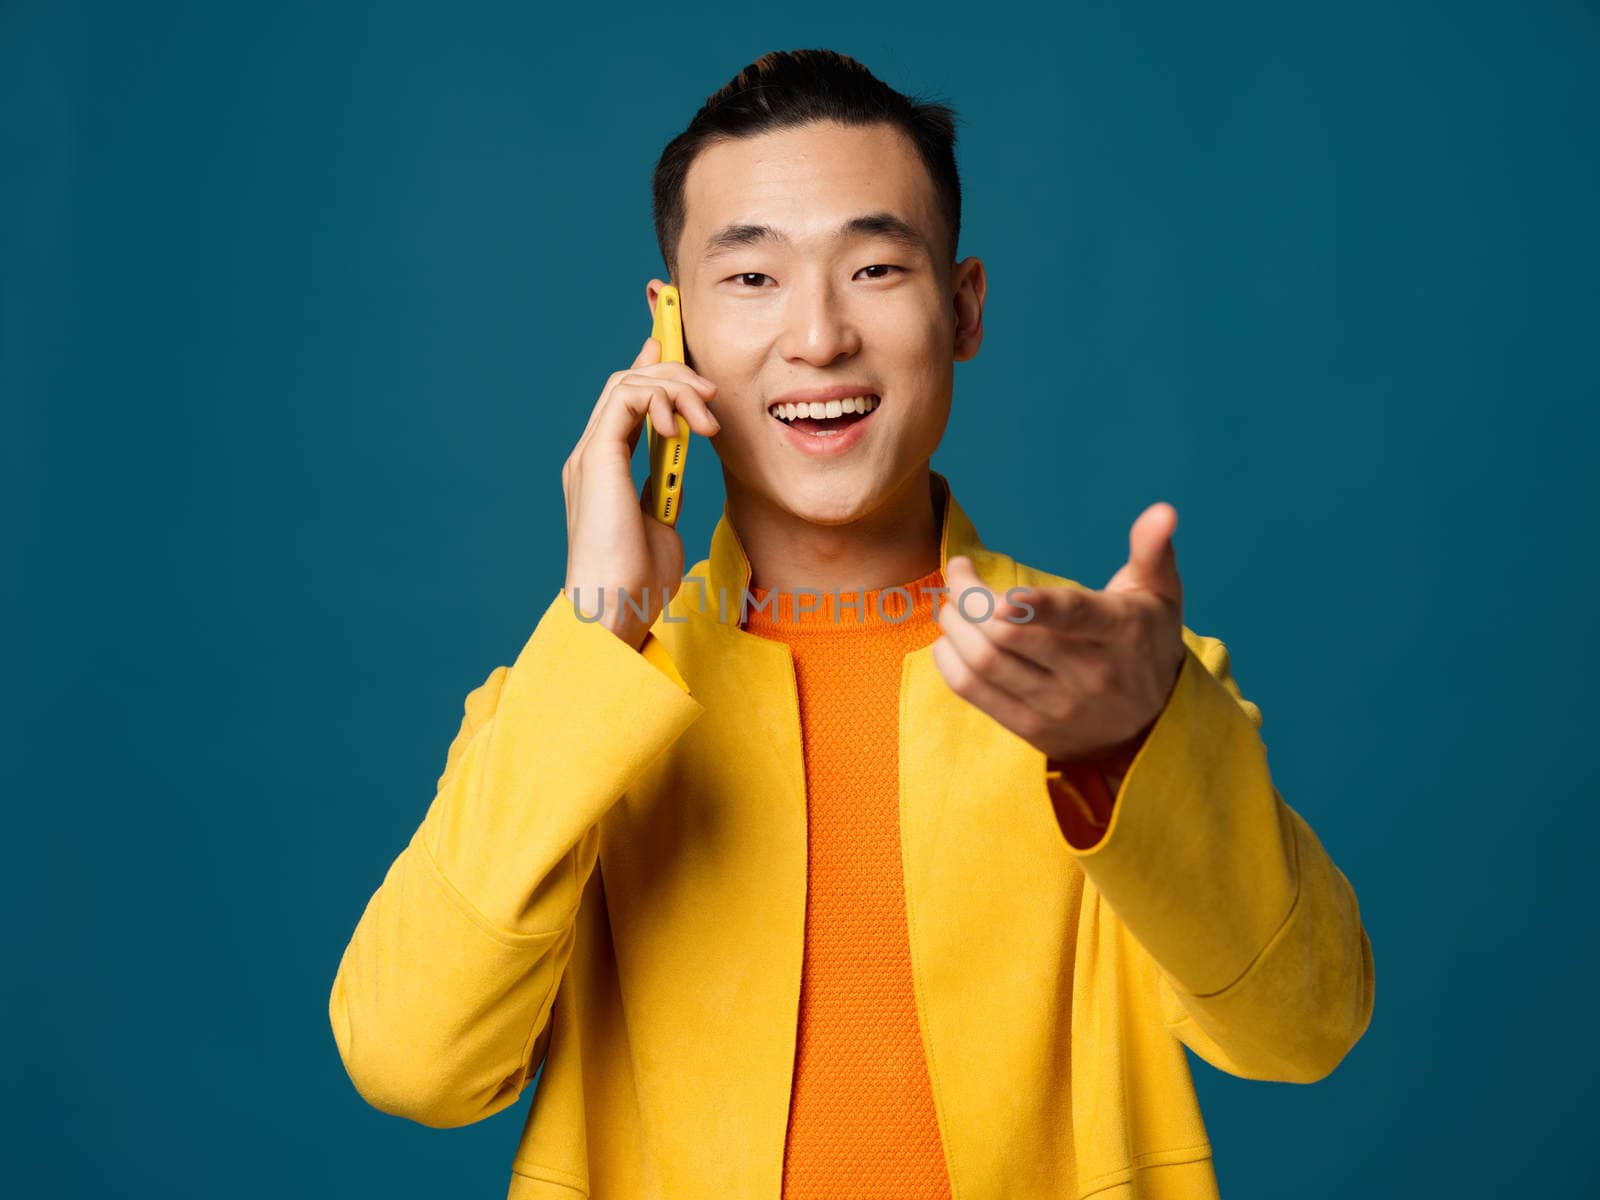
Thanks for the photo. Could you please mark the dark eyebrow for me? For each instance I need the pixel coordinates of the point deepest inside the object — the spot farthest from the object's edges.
(878, 224)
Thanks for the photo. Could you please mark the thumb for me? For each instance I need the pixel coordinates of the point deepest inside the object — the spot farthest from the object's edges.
(649, 353)
(1152, 563)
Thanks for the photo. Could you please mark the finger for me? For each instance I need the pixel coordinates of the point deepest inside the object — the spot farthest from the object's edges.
(672, 372)
(1152, 562)
(649, 355)
(631, 404)
(1076, 612)
(662, 415)
(689, 400)
(1041, 665)
(962, 578)
(1013, 673)
(615, 378)
(635, 432)
(982, 643)
(659, 410)
(975, 599)
(626, 409)
(1011, 711)
(688, 374)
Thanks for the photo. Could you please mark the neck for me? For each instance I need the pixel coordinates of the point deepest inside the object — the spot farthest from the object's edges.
(896, 542)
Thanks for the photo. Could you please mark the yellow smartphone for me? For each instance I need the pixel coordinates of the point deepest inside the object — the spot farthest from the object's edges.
(668, 454)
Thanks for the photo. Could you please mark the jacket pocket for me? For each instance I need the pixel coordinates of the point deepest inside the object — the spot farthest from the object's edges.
(530, 1182)
(1186, 1173)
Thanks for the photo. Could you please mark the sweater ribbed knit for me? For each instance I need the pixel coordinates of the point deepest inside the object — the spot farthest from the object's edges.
(861, 1116)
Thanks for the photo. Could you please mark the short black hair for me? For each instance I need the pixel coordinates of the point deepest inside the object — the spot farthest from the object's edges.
(789, 88)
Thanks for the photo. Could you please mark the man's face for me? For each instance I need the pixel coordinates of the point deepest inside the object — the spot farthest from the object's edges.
(815, 305)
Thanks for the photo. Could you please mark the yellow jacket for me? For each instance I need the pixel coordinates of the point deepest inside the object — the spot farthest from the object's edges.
(612, 875)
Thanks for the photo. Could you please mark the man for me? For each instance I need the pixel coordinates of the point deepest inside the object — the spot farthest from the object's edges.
(806, 883)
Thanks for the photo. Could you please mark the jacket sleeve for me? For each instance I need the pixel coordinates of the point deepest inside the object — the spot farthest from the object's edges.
(449, 977)
(1265, 968)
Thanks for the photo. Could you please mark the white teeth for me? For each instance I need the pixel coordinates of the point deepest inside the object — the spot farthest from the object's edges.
(819, 410)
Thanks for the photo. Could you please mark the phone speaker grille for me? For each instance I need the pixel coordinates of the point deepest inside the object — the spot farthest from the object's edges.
(677, 453)
(666, 509)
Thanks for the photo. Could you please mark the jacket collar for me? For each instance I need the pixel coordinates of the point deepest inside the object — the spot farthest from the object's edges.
(728, 574)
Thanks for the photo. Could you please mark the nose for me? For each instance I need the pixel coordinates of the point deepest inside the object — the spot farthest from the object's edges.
(818, 328)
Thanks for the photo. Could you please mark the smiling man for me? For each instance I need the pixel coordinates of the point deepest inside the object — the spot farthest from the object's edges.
(875, 863)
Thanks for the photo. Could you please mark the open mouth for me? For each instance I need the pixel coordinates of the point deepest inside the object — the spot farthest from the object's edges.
(825, 416)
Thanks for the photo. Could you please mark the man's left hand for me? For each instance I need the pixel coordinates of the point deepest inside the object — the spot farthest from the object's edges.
(1086, 676)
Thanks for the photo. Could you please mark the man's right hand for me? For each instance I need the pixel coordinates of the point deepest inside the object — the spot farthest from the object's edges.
(615, 546)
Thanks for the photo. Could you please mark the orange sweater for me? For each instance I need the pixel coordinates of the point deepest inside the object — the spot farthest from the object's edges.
(861, 1115)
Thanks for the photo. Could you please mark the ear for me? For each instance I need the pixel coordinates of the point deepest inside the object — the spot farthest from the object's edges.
(651, 291)
(970, 285)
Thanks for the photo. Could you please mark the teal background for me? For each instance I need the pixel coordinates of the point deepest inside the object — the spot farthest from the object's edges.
(305, 304)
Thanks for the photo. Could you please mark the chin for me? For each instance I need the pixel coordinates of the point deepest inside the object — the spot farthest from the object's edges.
(836, 499)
